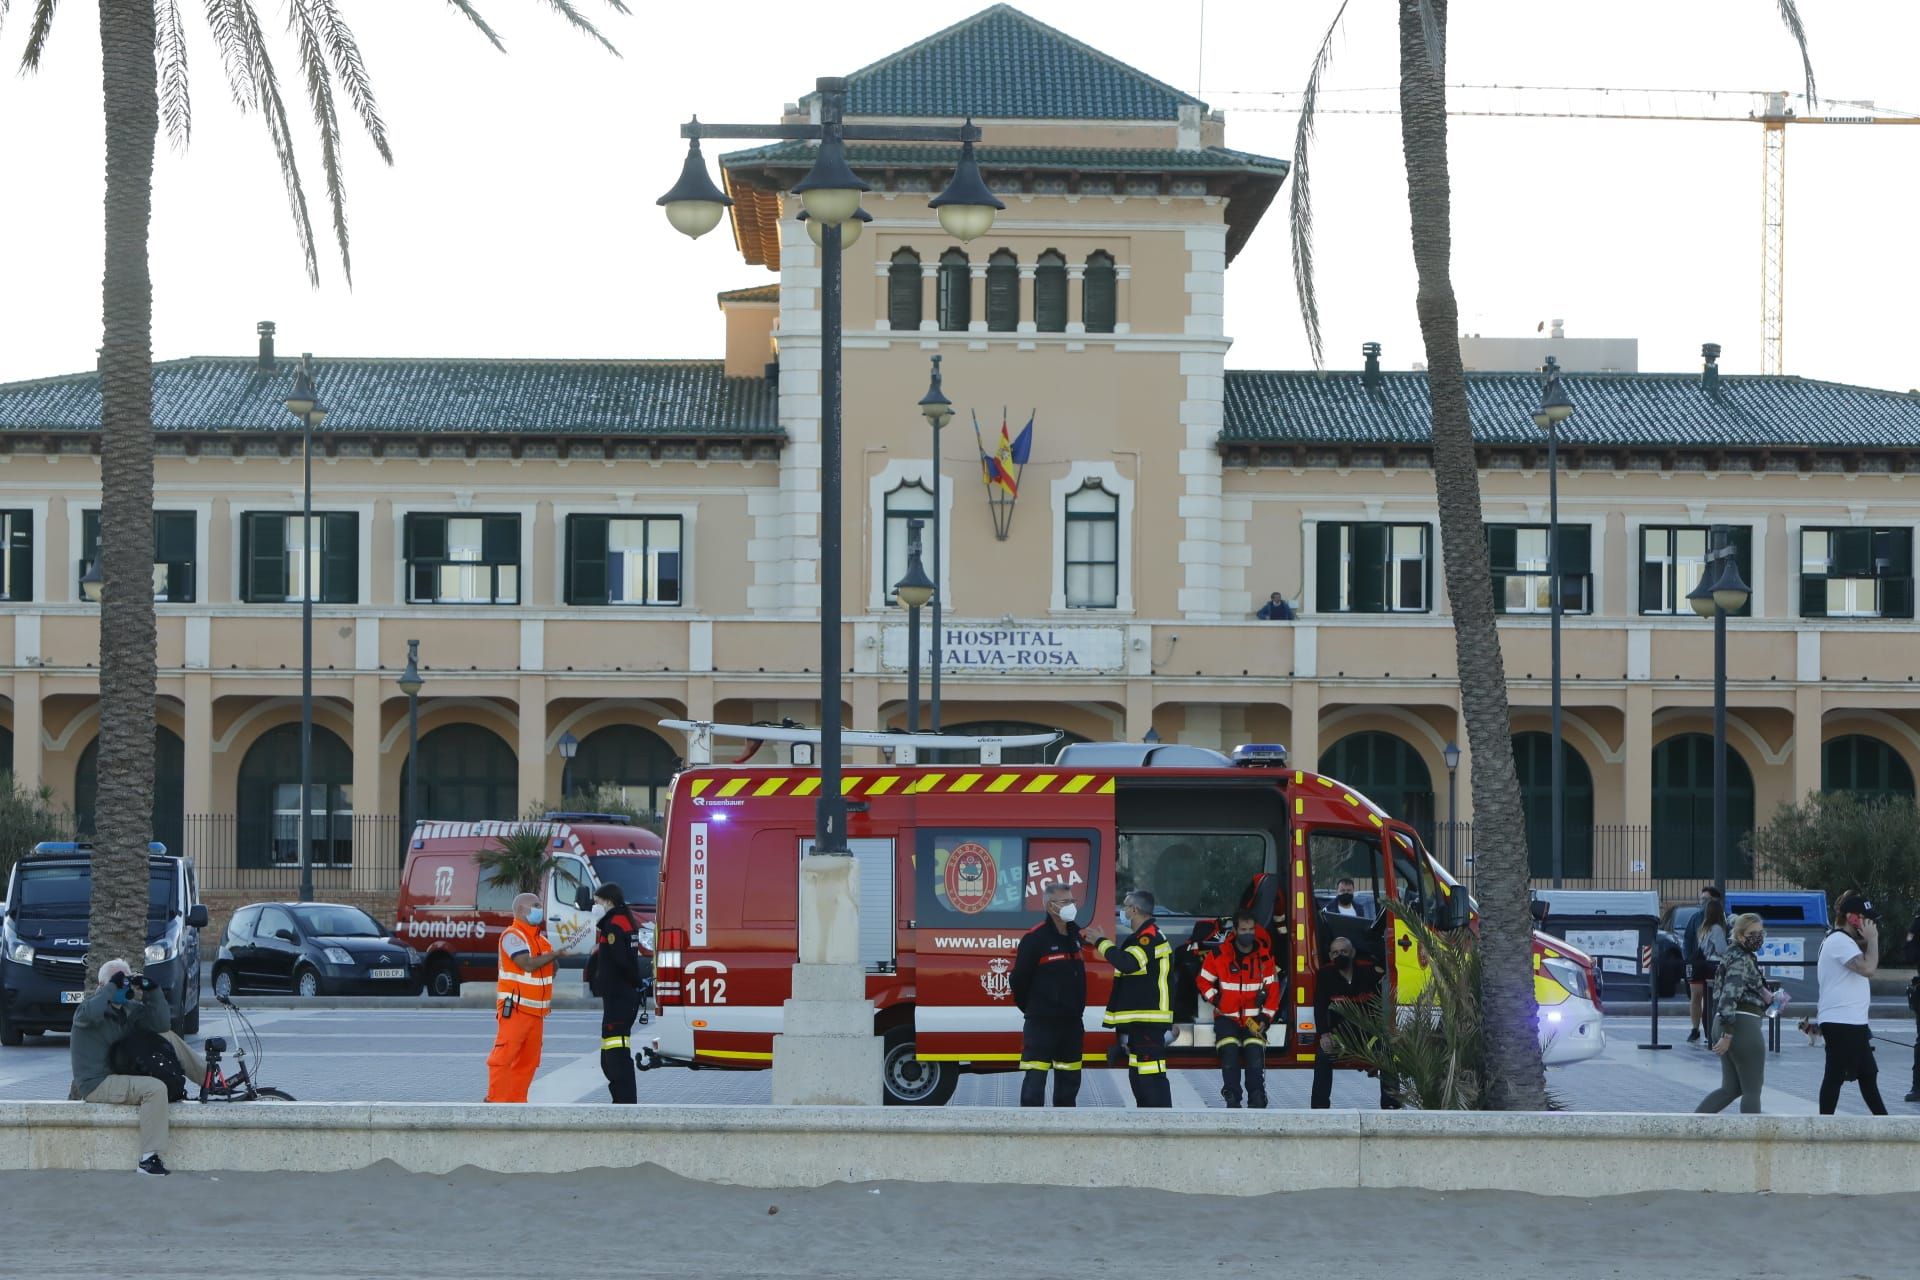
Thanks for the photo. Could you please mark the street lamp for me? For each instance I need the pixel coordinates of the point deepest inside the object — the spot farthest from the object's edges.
(92, 585)
(1720, 591)
(569, 748)
(849, 230)
(410, 684)
(303, 402)
(938, 411)
(1554, 409)
(1451, 754)
(913, 591)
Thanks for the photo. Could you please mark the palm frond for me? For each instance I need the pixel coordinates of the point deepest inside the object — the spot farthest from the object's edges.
(344, 53)
(265, 84)
(1790, 14)
(578, 21)
(473, 16)
(302, 22)
(1300, 201)
(37, 34)
(1435, 38)
(225, 20)
(170, 39)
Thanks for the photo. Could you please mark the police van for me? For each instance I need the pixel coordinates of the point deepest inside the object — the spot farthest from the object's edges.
(953, 861)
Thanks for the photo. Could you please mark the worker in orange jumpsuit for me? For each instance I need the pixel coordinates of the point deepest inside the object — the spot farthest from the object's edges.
(522, 999)
(1241, 981)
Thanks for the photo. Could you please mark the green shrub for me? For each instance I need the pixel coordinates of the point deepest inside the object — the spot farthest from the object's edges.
(27, 816)
(1834, 841)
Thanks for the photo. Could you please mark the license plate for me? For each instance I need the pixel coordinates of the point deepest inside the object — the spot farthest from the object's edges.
(386, 973)
(72, 997)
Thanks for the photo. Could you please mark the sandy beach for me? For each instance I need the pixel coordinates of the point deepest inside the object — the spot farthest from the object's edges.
(645, 1223)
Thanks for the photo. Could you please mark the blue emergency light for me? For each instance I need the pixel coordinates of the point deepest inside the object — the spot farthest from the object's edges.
(1261, 755)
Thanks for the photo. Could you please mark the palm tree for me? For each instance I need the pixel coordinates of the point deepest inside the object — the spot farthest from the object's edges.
(518, 860)
(1515, 1077)
(144, 76)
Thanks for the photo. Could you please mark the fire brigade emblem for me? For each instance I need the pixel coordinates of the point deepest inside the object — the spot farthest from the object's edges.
(971, 878)
(997, 980)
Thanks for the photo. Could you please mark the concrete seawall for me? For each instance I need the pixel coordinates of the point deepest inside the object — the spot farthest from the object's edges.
(1242, 1153)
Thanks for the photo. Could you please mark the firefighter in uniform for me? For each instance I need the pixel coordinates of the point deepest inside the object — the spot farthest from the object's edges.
(1141, 1008)
(1241, 981)
(521, 1000)
(613, 974)
(1050, 986)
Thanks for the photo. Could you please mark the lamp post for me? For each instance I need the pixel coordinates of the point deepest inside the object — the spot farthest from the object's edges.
(828, 1054)
(303, 402)
(1720, 591)
(410, 684)
(1554, 409)
(938, 411)
(1451, 754)
(913, 590)
(92, 585)
(569, 748)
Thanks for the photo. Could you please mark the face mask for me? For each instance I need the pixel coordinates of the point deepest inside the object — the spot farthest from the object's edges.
(1244, 941)
(1343, 959)
(1345, 899)
(1123, 923)
(536, 916)
(1754, 941)
(1069, 913)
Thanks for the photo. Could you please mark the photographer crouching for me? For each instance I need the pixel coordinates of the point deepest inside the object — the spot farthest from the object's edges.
(128, 1013)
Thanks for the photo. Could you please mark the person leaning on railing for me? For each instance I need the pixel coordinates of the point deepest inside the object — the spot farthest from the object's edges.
(1741, 997)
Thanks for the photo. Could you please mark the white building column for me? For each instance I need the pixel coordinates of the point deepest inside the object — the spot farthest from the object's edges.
(784, 549)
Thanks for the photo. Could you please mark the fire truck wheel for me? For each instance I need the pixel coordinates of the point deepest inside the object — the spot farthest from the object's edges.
(910, 1082)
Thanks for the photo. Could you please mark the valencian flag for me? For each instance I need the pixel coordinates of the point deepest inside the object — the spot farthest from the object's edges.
(1001, 470)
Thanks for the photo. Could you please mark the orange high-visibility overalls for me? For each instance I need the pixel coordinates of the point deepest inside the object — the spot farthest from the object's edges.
(522, 998)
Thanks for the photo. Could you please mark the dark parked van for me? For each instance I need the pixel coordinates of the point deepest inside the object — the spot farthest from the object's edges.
(43, 944)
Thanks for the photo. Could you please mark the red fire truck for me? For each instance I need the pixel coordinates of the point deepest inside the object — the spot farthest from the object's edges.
(952, 862)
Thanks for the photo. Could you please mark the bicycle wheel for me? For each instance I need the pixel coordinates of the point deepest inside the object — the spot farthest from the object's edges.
(272, 1095)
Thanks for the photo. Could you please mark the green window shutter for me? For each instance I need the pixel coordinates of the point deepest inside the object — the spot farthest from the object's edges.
(1742, 540)
(19, 555)
(1098, 294)
(1576, 550)
(904, 291)
(339, 558)
(1895, 547)
(1896, 597)
(1326, 576)
(1852, 554)
(1367, 570)
(263, 557)
(1050, 294)
(1003, 293)
(1503, 547)
(1813, 595)
(89, 536)
(426, 537)
(587, 559)
(500, 540)
(173, 546)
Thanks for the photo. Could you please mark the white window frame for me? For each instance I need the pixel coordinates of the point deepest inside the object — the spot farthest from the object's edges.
(897, 472)
(240, 507)
(888, 576)
(1756, 571)
(1595, 532)
(1075, 479)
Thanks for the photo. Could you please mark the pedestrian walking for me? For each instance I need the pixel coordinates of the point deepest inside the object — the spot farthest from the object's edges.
(1848, 960)
(1741, 997)
(613, 974)
(1912, 956)
(1709, 948)
(1050, 989)
(522, 999)
(1140, 1010)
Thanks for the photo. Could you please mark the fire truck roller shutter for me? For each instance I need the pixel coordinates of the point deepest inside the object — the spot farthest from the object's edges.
(874, 858)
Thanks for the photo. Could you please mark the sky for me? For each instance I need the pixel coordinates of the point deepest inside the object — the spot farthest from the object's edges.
(519, 217)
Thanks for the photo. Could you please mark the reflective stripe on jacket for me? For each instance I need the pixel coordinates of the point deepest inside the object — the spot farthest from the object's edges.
(532, 992)
(1142, 973)
(1239, 986)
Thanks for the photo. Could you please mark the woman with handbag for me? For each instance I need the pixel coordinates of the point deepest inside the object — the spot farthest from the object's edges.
(1741, 997)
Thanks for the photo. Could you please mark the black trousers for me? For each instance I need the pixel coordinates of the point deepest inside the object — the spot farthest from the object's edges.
(617, 1013)
(1849, 1057)
(1322, 1096)
(1243, 1055)
(1145, 1045)
(1049, 1043)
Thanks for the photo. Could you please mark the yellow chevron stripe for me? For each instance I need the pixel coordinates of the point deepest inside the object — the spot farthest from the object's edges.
(700, 785)
(1106, 788)
(883, 785)
(771, 787)
(1353, 799)
(734, 786)
(1299, 808)
(848, 785)
(965, 781)
(1001, 783)
(1299, 869)
(1374, 818)
(806, 786)
(1299, 835)
(1040, 782)
(744, 1055)
(1074, 785)
(1299, 901)
(925, 782)
(1325, 782)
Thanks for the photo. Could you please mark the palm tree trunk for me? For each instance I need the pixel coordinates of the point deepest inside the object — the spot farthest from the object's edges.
(1517, 1081)
(124, 805)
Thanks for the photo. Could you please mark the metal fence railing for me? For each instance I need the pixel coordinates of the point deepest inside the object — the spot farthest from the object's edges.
(1613, 857)
(359, 853)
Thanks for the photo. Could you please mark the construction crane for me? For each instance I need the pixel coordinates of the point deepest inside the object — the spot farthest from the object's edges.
(1773, 112)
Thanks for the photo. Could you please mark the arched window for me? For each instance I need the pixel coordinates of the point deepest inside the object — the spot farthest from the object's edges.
(956, 291)
(909, 500)
(904, 290)
(6, 751)
(1388, 771)
(1865, 766)
(1003, 291)
(1009, 755)
(1099, 292)
(633, 761)
(268, 801)
(1683, 809)
(169, 789)
(467, 774)
(1093, 548)
(1050, 293)
(1533, 761)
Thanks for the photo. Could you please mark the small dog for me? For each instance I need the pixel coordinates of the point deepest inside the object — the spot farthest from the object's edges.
(1811, 1030)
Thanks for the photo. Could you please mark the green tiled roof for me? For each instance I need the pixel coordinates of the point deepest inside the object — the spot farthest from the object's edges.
(903, 155)
(1002, 65)
(687, 398)
(1616, 410)
(753, 293)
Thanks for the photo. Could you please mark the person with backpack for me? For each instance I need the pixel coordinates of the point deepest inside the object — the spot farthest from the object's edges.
(123, 1010)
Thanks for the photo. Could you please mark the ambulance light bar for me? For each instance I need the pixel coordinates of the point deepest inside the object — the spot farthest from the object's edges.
(1261, 755)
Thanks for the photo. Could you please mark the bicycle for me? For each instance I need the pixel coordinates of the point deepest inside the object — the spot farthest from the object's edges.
(217, 1085)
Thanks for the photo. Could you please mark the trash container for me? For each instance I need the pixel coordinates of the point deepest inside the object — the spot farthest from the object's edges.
(1615, 927)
